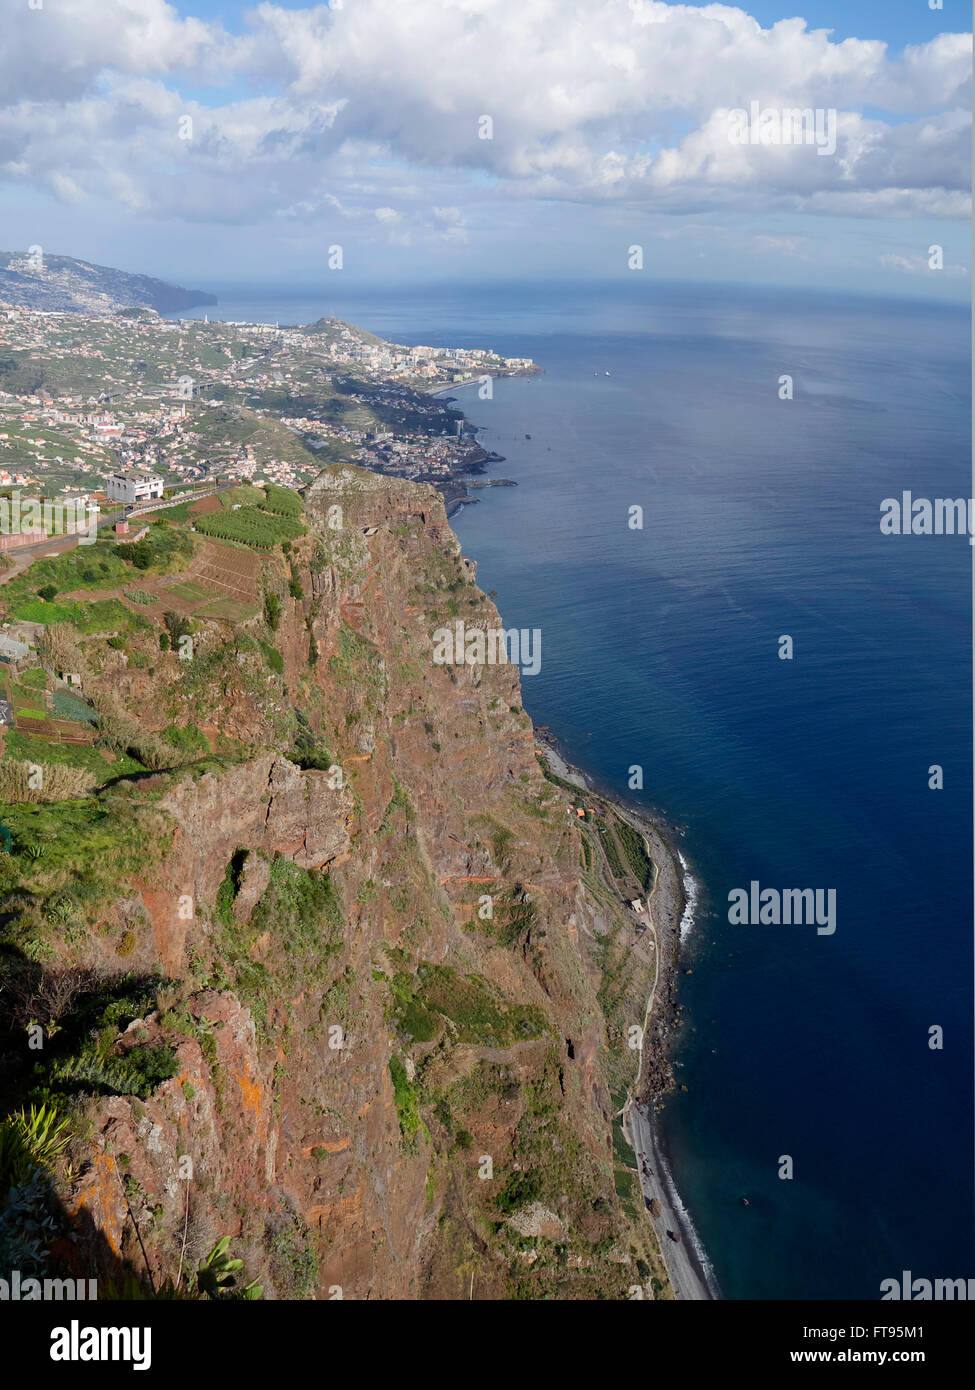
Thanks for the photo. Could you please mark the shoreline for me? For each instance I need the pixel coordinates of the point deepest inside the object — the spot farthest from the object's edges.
(672, 897)
(670, 907)
(496, 374)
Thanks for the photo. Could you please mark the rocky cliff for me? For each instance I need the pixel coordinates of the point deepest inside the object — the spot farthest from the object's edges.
(331, 990)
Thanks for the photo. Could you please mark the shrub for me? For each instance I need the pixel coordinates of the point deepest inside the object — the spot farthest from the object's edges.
(308, 751)
(273, 658)
(177, 627)
(31, 994)
(156, 548)
(294, 1266)
(139, 1073)
(28, 1224)
(272, 611)
(407, 1100)
(520, 1189)
(59, 648)
(230, 886)
(189, 741)
(121, 732)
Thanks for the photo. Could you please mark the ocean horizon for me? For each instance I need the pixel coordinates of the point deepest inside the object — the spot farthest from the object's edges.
(812, 1090)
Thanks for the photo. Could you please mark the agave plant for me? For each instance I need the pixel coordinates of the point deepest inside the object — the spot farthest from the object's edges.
(61, 911)
(31, 1139)
(27, 1225)
(216, 1278)
(217, 1275)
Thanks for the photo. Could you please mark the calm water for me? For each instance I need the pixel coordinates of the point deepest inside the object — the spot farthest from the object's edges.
(760, 518)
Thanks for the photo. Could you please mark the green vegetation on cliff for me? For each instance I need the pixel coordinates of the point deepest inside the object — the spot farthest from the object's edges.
(314, 921)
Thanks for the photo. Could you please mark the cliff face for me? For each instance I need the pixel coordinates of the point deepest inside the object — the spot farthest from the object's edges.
(366, 947)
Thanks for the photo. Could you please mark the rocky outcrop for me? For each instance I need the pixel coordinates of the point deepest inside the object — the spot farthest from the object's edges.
(268, 804)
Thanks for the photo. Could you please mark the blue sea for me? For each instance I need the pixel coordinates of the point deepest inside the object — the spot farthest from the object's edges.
(660, 649)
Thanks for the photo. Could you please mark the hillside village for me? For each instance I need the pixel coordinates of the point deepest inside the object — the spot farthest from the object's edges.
(82, 396)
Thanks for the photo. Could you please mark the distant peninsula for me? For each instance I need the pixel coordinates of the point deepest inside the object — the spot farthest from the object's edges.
(61, 284)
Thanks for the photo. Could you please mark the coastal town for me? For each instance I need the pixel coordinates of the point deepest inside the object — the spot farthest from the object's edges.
(86, 396)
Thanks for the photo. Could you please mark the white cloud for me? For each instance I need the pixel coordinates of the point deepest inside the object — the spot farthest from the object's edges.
(591, 103)
(58, 52)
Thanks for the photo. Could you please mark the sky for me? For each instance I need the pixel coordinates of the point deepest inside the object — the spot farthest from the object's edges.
(211, 142)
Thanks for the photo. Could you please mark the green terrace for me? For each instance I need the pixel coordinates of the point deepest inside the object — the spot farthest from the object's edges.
(50, 751)
(261, 518)
(252, 526)
(32, 596)
(103, 615)
(43, 719)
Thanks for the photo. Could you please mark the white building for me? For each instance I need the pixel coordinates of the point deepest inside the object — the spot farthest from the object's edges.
(133, 485)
